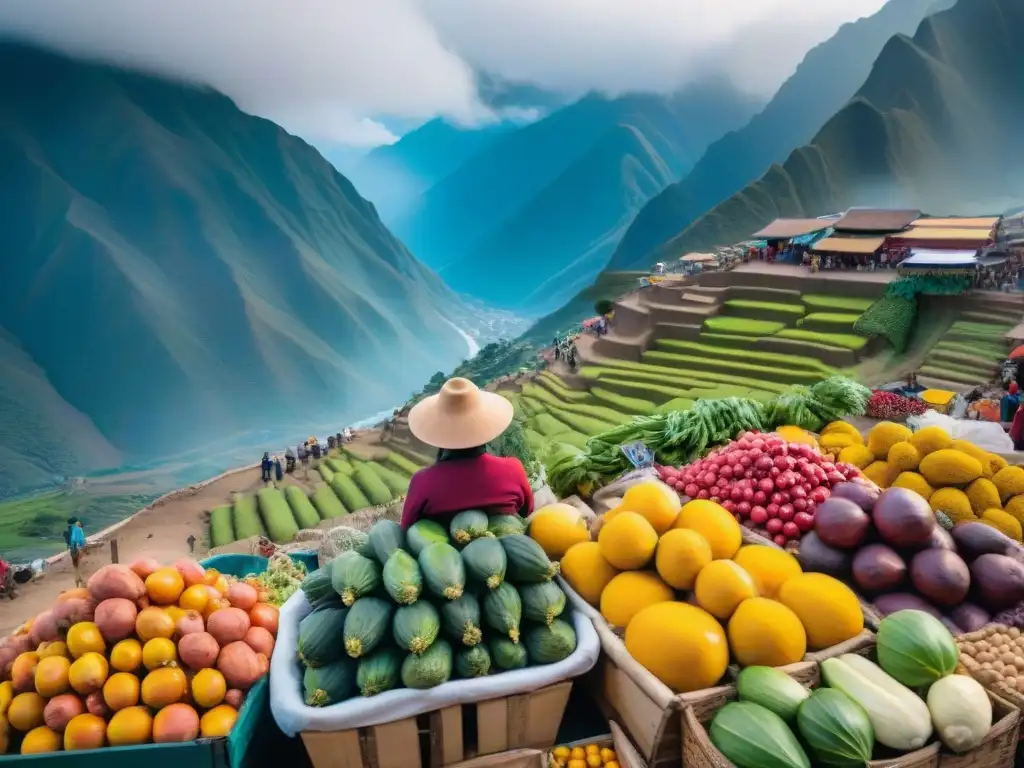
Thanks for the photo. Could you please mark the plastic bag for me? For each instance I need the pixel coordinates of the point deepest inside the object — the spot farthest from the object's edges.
(986, 435)
(293, 716)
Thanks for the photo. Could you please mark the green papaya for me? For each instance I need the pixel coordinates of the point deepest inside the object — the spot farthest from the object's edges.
(485, 561)
(402, 577)
(353, 576)
(386, 538)
(460, 619)
(423, 533)
(366, 624)
(550, 643)
(503, 610)
(329, 684)
(527, 563)
(415, 627)
(430, 668)
(379, 672)
(542, 602)
(472, 662)
(443, 571)
(318, 636)
(507, 655)
(505, 525)
(468, 525)
(317, 585)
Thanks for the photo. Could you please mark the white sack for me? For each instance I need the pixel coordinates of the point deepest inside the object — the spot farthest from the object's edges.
(610, 495)
(293, 716)
(987, 435)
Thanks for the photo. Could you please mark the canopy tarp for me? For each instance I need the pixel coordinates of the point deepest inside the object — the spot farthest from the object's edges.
(964, 236)
(812, 237)
(701, 258)
(962, 222)
(876, 220)
(940, 260)
(784, 229)
(854, 245)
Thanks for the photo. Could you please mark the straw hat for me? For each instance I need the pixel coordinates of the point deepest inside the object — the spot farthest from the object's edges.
(460, 416)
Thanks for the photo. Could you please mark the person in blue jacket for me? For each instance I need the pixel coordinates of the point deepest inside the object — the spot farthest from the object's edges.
(76, 545)
(266, 465)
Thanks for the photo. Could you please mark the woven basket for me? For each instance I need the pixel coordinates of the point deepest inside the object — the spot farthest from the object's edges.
(971, 667)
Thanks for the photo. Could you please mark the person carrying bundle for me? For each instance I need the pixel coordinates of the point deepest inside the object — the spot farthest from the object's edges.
(304, 460)
(289, 461)
(278, 473)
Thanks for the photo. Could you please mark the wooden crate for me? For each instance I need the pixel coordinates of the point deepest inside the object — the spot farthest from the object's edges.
(625, 754)
(446, 736)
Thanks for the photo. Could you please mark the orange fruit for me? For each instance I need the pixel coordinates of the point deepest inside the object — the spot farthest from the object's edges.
(163, 687)
(26, 711)
(175, 723)
(164, 586)
(52, 676)
(154, 622)
(6, 694)
(208, 688)
(218, 722)
(89, 673)
(214, 605)
(121, 691)
(159, 652)
(126, 656)
(84, 637)
(39, 741)
(195, 598)
(175, 612)
(56, 648)
(130, 726)
(86, 731)
(221, 585)
(212, 574)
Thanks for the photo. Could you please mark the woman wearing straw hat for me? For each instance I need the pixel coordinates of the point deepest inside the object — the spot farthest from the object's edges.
(459, 421)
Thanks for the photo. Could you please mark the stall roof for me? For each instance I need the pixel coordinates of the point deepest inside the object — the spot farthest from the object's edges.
(698, 257)
(784, 229)
(942, 233)
(925, 259)
(857, 245)
(980, 222)
(876, 220)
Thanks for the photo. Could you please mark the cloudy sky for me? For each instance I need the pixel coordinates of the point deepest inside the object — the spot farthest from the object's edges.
(338, 71)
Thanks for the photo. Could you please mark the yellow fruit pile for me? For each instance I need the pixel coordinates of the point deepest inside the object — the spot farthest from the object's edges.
(142, 654)
(959, 479)
(589, 756)
(652, 555)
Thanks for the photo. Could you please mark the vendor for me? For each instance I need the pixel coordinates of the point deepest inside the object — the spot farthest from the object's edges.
(459, 421)
(1010, 402)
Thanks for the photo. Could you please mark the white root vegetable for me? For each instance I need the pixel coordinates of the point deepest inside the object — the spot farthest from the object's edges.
(961, 711)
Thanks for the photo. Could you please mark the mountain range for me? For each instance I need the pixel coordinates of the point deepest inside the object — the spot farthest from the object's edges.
(826, 78)
(179, 272)
(935, 126)
(534, 216)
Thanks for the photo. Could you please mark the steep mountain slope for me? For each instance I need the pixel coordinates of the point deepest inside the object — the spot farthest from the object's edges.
(491, 199)
(180, 272)
(823, 82)
(936, 126)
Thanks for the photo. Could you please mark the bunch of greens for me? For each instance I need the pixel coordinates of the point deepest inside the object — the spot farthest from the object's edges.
(282, 577)
(931, 285)
(892, 318)
(512, 443)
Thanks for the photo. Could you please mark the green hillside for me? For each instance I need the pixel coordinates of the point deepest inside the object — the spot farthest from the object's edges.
(533, 194)
(825, 79)
(179, 272)
(935, 126)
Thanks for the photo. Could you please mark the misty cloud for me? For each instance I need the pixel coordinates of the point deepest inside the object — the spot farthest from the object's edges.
(326, 68)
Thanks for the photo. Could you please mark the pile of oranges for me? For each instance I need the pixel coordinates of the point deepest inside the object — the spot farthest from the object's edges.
(145, 653)
(587, 756)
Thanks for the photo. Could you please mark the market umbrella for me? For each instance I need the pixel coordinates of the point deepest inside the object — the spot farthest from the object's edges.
(1017, 353)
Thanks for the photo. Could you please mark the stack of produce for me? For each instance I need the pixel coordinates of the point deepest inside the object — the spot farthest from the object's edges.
(414, 609)
(678, 437)
(142, 654)
(281, 579)
(889, 545)
(689, 596)
(995, 656)
(889, 405)
(957, 479)
(865, 705)
(768, 484)
(587, 756)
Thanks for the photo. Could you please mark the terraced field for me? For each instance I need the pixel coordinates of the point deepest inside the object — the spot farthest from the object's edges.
(971, 350)
(348, 484)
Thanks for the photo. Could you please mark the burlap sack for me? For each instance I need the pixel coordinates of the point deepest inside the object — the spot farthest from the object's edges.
(610, 495)
(337, 540)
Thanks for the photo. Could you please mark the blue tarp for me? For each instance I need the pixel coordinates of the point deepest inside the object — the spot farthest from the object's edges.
(812, 237)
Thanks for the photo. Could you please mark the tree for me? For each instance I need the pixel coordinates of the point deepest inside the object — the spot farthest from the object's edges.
(604, 306)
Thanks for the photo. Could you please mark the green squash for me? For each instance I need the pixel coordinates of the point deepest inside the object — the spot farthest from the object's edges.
(317, 585)
(468, 525)
(386, 538)
(772, 689)
(415, 627)
(332, 600)
(379, 672)
(503, 610)
(430, 668)
(542, 602)
(443, 571)
(505, 525)
(422, 534)
(402, 578)
(366, 624)
(333, 683)
(527, 563)
(548, 644)
(354, 576)
(836, 728)
(472, 662)
(318, 636)
(754, 737)
(460, 620)
(485, 561)
(507, 655)
(915, 648)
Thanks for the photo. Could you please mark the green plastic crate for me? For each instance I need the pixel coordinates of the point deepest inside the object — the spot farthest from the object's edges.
(254, 741)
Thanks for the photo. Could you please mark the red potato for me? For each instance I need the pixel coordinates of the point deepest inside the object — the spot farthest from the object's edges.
(228, 625)
(115, 618)
(115, 581)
